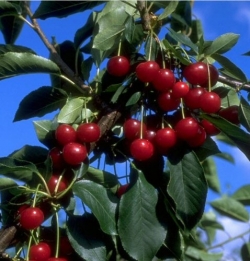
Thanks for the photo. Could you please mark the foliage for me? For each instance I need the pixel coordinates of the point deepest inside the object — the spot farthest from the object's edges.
(161, 213)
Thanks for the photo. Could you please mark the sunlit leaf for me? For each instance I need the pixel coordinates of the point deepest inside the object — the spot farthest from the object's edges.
(7, 183)
(242, 195)
(168, 10)
(5, 48)
(133, 99)
(197, 254)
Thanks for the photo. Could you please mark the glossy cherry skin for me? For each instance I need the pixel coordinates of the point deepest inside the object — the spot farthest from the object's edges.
(121, 190)
(198, 139)
(118, 66)
(57, 259)
(210, 102)
(52, 183)
(141, 149)
(167, 102)
(74, 153)
(40, 252)
(147, 71)
(150, 135)
(187, 128)
(65, 133)
(180, 90)
(65, 246)
(231, 114)
(210, 129)
(57, 160)
(88, 132)
(165, 138)
(192, 98)
(164, 80)
(197, 74)
(31, 218)
(132, 128)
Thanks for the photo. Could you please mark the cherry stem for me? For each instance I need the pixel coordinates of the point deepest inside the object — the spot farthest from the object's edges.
(141, 125)
(58, 183)
(209, 77)
(57, 234)
(182, 109)
(150, 46)
(119, 46)
(85, 112)
(34, 200)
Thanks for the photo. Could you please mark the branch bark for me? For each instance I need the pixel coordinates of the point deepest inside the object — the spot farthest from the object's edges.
(234, 83)
(145, 17)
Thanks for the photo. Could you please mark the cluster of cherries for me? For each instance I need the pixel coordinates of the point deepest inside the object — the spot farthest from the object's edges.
(194, 96)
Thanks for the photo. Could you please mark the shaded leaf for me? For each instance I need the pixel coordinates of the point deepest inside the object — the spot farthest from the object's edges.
(8, 8)
(5, 48)
(138, 221)
(244, 113)
(100, 201)
(129, 29)
(242, 195)
(133, 99)
(40, 102)
(168, 10)
(231, 208)
(151, 48)
(7, 183)
(13, 64)
(86, 67)
(117, 94)
(226, 156)
(197, 32)
(245, 252)
(201, 255)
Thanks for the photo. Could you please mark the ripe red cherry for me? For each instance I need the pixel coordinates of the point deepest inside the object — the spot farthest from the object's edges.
(180, 89)
(231, 114)
(198, 139)
(186, 128)
(88, 132)
(57, 160)
(121, 190)
(141, 149)
(40, 252)
(65, 246)
(210, 129)
(167, 102)
(132, 129)
(164, 80)
(118, 66)
(31, 218)
(74, 153)
(165, 138)
(57, 259)
(65, 133)
(197, 74)
(192, 98)
(147, 71)
(150, 135)
(52, 183)
(210, 102)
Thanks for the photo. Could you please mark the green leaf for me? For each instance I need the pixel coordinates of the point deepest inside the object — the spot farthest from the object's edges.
(226, 156)
(151, 48)
(222, 44)
(61, 9)
(197, 32)
(129, 29)
(138, 223)
(133, 99)
(242, 195)
(86, 67)
(245, 252)
(7, 8)
(240, 138)
(244, 113)
(40, 102)
(231, 208)
(187, 187)
(201, 255)
(13, 64)
(70, 111)
(116, 95)
(7, 183)
(229, 66)
(101, 202)
(168, 10)
(86, 237)
(5, 48)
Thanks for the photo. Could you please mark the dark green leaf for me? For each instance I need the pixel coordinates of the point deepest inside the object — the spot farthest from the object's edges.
(5, 48)
(86, 67)
(222, 91)
(7, 183)
(117, 94)
(151, 48)
(138, 221)
(229, 66)
(133, 99)
(226, 156)
(61, 9)
(247, 53)
(101, 202)
(232, 98)
(201, 255)
(231, 208)
(222, 44)
(7, 8)
(242, 195)
(129, 29)
(13, 64)
(86, 237)
(245, 252)
(197, 32)
(187, 187)
(168, 10)
(40, 102)
(244, 113)
(113, 87)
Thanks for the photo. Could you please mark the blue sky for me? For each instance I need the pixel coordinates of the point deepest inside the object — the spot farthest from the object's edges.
(217, 18)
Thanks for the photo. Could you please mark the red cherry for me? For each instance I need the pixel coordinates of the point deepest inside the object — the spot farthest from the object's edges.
(88, 132)
(121, 190)
(52, 183)
(198, 139)
(147, 71)
(167, 102)
(57, 259)
(150, 135)
(31, 218)
(132, 129)
(210, 129)
(65, 134)
(65, 246)
(210, 102)
(74, 153)
(165, 138)
(22, 208)
(164, 80)
(141, 149)
(231, 114)
(197, 74)
(118, 66)
(180, 89)
(186, 128)
(192, 98)
(57, 160)
(40, 252)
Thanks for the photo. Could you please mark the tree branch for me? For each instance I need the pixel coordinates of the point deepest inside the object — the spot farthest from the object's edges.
(145, 17)
(234, 83)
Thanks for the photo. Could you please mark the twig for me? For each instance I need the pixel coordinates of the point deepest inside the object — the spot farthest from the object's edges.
(234, 83)
(145, 17)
